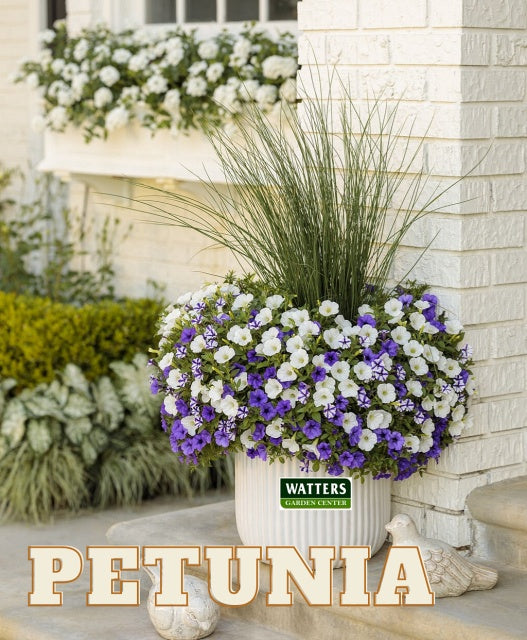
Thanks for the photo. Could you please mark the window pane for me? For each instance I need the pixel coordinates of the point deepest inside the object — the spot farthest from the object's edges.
(242, 10)
(282, 9)
(201, 11)
(56, 11)
(158, 11)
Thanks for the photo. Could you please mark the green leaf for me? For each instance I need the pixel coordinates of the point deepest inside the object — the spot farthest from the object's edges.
(77, 429)
(13, 422)
(78, 406)
(38, 436)
(110, 411)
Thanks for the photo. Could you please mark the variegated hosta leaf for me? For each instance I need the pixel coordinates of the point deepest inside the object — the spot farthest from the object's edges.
(98, 439)
(77, 429)
(13, 422)
(40, 405)
(139, 422)
(134, 386)
(78, 406)
(38, 435)
(59, 392)
(110, 411)
(88, 452)
(74, 378)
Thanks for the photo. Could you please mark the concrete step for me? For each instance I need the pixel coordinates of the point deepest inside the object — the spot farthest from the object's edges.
(500, 521)
(498, 614)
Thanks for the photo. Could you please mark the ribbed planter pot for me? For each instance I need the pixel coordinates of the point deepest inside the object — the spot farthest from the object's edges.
(261, 522)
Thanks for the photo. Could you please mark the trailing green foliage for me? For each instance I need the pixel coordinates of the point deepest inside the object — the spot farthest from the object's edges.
(40, 337)
(74, 443)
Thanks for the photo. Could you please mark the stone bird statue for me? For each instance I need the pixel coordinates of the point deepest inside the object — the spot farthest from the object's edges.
(196, 620)
(449, 573)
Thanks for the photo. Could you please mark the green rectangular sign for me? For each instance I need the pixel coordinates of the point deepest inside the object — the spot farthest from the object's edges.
(315, 493)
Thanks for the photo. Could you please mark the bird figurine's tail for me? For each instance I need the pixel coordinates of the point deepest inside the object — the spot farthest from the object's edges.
(483, 578)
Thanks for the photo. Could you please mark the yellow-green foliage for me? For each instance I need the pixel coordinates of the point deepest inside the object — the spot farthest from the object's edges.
(38, 337)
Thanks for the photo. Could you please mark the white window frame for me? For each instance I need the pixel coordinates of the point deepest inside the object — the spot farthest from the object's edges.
(132, 13)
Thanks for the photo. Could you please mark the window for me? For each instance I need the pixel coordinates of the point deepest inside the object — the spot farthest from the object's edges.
(56, 11)
(195, 11)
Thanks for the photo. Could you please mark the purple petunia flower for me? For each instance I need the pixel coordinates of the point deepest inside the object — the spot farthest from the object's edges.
(354, 436)
(312, 429)
(345, 342)
(222, 437)
(363, 399)
(400, 373)
(257, 398)
(187, 334)
(406, 299)
(259, 432)
(208, 413)
(303, 393)
(276, 441)
(227, 391)
(243, 412)
(341, 403)
(267, 411)
(253, 357)
(178, 430)
(154, 385)
(366, 319)
(254, 380)
(180, 350)
(324, 450)
(395, 441)
(318, 374)
(353, 460)
(182, 407)
(329, 411)
(390, 347)
(270, 372)
(283, 407)
(330, 357)
(335, 469)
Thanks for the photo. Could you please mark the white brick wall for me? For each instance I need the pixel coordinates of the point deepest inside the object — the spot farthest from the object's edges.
(458, 64)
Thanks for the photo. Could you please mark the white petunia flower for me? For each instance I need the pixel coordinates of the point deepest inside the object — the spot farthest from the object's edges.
(432, 354)
(363, 371)
(271, 347)
(242, 301)
(386, 393)
(198, 344)
(170, 405)
(378, 419)
(340, 370)
(214, 72)
(196, 86)
(308, 328)
(458, 413)
(451, 368)
(441, 409)
(428, 427)
(415, 388)
(369, 334)
(349, 421)
(419, 366)
(456, 428)
(102, 97)
(208, 49)
(266, 94)
(117, 118)
(453, 326)
(348, 388)
(328, 308)
(58, 117)
(413, 348)
(290, 394)
(368, 440)
(393, 307)
(273, 388)
(274, 428)
(332, 338)
(166, 360)
(240, 382)
(287, 90)
(264, 316)
(365, 309)
(401, 335)
(121, 56)
(426, 444)
(412, 443)
(417, 320)
(430, 329)
(286, 373)
(299, 358)
(274, 302)
(293, 344)
(291, 445)
(229, 406)
(189, 422)
(224, 354)
(109, 75)
(173, 379)
(246, 439)
(421, 304)
(172, 101)
(156, 84)
(272, 332)
(319, 361)
(323, 397)
(327, 383)
(275, 67)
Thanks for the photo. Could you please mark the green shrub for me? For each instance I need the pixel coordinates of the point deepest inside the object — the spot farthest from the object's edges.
(40, 337)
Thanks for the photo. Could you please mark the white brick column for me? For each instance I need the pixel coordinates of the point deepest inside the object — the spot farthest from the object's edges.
(461, 65)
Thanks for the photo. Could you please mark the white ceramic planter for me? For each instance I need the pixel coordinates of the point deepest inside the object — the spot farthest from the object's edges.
(261, 522)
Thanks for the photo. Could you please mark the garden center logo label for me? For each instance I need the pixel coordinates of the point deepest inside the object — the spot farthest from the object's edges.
(315, 493)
